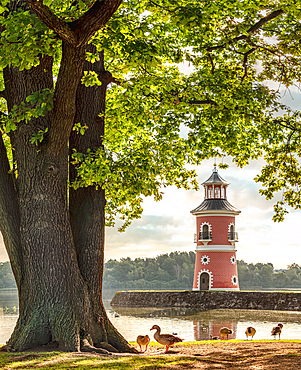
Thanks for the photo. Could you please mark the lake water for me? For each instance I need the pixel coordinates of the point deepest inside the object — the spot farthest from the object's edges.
(189, 325)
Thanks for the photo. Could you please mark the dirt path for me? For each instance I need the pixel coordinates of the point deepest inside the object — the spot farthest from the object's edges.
(237, 355)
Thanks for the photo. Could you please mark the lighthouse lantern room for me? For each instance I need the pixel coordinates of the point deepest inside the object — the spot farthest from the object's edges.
(215, 264)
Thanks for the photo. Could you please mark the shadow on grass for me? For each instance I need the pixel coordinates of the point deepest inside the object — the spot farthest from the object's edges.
(56, 360)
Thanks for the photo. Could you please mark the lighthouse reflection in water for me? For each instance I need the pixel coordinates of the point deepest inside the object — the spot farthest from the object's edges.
(207, 330)
(205, 325)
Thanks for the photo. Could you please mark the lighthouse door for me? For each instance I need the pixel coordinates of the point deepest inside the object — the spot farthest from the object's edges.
(204, 281)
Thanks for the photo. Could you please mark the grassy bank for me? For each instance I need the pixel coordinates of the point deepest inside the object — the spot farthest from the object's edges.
(68, 361)
(235, 354)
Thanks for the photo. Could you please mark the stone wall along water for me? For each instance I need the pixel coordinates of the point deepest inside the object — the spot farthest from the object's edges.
(210, 300)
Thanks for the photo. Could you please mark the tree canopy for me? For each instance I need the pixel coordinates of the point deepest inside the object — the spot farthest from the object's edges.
(104, 102)
(222, 101)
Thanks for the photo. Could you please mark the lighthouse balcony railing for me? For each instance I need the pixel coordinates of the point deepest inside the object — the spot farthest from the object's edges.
(233, 236)
(205, 236)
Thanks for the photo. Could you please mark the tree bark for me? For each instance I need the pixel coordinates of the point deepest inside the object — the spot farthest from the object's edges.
(87, 205)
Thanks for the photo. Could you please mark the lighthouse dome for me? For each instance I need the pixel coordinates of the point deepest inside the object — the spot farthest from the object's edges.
(215, 196)
(215, 179)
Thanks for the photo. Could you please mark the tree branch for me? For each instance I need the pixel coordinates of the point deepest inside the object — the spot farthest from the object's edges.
(202, 102)
(245, 63)
(251, 30)
(57, 25)
(80, 31)
(94, 19)
(265, 20)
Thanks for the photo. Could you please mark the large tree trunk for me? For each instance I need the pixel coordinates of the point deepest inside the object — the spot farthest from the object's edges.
(59, 267)
(57, 255)
(53, 299)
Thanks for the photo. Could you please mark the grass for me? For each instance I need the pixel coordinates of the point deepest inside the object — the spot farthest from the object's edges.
(81, 361)
(62, 361)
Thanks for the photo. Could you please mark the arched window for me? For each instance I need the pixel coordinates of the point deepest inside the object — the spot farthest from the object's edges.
(231, 232)
(222, 192)
(217, 192)
(210, 195)
(205, 232)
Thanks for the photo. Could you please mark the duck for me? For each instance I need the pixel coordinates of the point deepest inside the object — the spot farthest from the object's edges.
(213, 338)
(250, 332)
(225, 332)
(277, 330)
(143, 340)
(167, 340)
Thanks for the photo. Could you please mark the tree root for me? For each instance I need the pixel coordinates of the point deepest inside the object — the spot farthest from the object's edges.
(6, 348)
(108, 347)
(86, 347)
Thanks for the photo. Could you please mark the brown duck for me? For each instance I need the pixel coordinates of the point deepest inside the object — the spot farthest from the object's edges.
(225, 332)
(167, 340)
(143, 340)
(250, 332)
(277, 330)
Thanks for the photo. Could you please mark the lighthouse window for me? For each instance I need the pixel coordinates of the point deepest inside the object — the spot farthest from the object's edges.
(205, 260)
(217, 192)
(234, 280)
(222, 193)
(231, 235)
(205, 232)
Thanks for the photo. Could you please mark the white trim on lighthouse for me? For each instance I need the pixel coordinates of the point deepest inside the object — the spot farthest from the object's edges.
(213, 248)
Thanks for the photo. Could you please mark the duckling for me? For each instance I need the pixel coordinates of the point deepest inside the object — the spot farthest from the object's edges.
(143, 340)
(225, 332)
(167, 340)
(250, 332)
(213, 338)
(277, 330)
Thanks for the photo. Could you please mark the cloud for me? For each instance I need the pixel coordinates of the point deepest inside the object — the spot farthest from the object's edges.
(150, 236)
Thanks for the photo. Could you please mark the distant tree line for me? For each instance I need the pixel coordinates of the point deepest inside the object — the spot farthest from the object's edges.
(175, 271)
(7, 279)
(167, 271)
(262, 275)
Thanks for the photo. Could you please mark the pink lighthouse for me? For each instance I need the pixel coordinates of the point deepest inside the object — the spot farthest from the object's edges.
(215, 263)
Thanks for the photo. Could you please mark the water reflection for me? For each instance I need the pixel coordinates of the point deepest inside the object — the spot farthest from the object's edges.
(193, 325)
(9, 300)
(205, 331)
(8, 313)
(188, 324)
